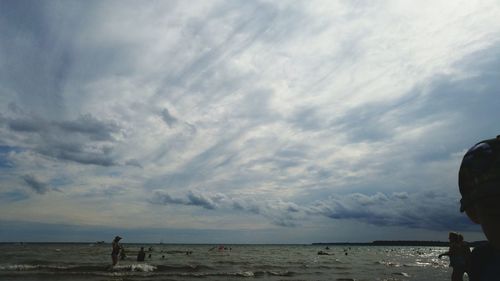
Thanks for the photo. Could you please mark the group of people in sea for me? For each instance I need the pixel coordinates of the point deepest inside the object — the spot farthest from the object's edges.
(119, 251)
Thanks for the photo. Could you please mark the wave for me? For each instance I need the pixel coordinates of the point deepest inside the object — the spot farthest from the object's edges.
(242, 274)
(139, 267)
(417, 264)
(19, 267)
(264, 267)
(231, 262)
(401, 274)
(389, 263)
(142, 267)
(78, 268)
(190, 268)
(132, 269)
(282, 273)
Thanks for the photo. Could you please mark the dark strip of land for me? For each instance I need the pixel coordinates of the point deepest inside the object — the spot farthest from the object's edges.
(400, 243)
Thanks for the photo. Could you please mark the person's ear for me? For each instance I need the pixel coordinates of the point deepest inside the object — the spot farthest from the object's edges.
(472, 214)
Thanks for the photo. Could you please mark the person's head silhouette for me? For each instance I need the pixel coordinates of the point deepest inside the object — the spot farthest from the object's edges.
(479, 183)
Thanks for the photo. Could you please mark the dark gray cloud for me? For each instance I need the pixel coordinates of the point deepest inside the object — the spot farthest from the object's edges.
(278, 212)
(79, 153)
(419, 210)
(191, 199)
(400, 195)
(247, 205)
(27, 125)
(173, 121)
(165, 199)
(168, 118)
(200, 200)
(85, 140)
(86, 125)
(36, 185)
(91, 127)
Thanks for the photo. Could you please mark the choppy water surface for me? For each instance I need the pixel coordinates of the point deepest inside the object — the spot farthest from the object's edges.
(243, 262)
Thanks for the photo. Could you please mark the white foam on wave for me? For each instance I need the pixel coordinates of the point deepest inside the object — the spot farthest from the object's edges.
(19, 267)
(280, 273)
(401, 273)
(417, 264)
(389, 263)
(139, 267)
(247, 274)
(143, 267)
(28, 267)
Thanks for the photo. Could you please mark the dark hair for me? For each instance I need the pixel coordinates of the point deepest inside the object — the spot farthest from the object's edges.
(454, 236)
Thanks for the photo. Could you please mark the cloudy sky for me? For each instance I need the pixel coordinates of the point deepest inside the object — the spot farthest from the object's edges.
(242, 121)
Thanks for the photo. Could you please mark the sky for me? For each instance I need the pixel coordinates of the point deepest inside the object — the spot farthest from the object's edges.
(242, 121)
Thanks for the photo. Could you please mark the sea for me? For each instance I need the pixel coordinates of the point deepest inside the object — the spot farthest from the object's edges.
(92, 261)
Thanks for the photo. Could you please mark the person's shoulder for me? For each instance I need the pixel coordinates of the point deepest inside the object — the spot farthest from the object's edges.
(485, 263)
(483, 250)
(482, 255)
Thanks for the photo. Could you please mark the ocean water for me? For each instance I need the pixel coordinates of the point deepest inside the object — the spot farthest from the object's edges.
(30, 262)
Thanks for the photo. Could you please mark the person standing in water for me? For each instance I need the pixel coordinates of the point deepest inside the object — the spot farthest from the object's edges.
(116, 247)
(459, 254)
(141, 255)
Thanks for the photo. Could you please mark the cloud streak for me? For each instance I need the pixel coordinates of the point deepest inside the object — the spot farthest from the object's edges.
(426, 210)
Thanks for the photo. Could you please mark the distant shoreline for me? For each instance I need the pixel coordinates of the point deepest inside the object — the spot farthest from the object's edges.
(398, 243)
